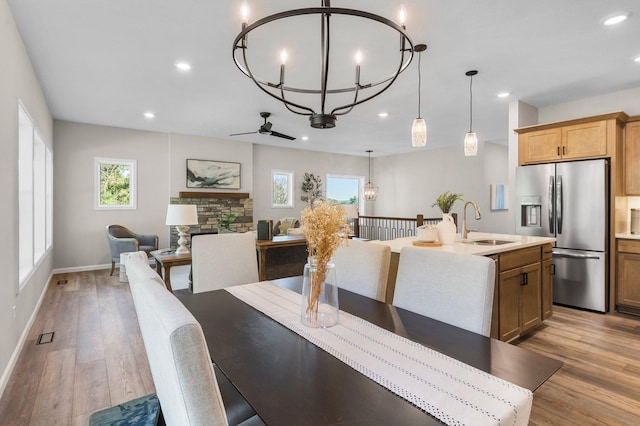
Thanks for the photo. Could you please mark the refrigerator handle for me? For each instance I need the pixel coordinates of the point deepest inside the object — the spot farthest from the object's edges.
(551, 192)
(559, 203)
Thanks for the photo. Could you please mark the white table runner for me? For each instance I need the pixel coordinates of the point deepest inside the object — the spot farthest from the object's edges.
(450, 390)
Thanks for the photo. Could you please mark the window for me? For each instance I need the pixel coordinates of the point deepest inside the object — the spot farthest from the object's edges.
(281, 189)
(115, 184)
(35, 196)
(345, 189)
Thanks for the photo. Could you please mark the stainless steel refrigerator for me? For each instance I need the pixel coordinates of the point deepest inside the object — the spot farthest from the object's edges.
(570, 201)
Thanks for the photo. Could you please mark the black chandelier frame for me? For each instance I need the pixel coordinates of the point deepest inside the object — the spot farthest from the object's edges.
(321, 119)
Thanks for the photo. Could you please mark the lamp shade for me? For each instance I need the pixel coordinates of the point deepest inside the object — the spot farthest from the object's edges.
(182, 214)
(470, 144)
(350, 211)
(418, 133)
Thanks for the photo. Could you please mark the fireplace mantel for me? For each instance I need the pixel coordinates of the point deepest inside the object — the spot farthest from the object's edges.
(214, 195)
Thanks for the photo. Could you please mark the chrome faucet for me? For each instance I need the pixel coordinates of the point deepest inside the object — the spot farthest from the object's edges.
(466, 231)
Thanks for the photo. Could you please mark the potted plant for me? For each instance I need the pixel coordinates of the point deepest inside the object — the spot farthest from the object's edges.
(225, 222)
(311, 188)
(446, 200)
(447, 229)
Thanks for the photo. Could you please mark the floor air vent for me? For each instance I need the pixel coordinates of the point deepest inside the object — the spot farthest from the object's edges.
(45, 338)
(61, 282)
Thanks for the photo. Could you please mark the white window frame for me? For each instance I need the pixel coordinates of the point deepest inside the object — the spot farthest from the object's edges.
(132, 164)
(35, 197)
(361, 201)
(290, 176)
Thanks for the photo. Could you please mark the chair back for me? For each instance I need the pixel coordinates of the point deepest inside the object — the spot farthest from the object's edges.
(363, 267)
(176, 348)
(223, 260)
(452, 288)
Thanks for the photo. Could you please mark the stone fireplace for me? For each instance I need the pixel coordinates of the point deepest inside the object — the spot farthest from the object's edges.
(212, 206)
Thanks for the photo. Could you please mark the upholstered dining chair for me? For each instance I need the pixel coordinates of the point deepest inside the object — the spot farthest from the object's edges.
(189, 387)
(363, 267)
(223, 260)
(452, 288)
(123, 240)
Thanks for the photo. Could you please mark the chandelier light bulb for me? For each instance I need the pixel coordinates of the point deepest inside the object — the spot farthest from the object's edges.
(358, 57)
(402, 16)
(245, 12)
(283, 57)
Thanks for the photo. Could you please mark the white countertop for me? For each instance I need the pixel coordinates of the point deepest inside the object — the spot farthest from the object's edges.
(628, 236)
(518, 242)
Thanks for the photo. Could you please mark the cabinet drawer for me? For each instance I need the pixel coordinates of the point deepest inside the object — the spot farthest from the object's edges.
(547, 250)
(519, 258)
(629, 246)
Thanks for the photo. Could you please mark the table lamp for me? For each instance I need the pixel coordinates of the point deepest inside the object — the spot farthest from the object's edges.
(181, 216)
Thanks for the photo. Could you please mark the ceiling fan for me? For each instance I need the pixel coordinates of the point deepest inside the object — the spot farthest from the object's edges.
(265, 129)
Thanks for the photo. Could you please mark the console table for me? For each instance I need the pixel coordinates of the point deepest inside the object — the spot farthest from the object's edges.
(288, 253)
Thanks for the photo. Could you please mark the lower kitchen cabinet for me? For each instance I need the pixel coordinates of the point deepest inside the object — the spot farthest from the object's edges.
(547, 282)
(519, 292)
(628, 283)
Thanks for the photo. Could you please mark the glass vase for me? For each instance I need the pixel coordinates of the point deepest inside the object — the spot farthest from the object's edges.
(319, 306)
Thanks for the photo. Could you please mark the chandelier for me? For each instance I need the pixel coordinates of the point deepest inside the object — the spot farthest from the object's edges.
(370, 190)
(321, 101)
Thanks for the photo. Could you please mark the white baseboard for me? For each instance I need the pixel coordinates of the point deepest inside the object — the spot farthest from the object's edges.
(4, 380)
(81, 268)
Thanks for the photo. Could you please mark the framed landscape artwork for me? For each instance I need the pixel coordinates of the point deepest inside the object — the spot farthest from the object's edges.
(213, 174)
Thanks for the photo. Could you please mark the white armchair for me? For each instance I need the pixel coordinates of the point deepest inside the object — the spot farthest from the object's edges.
(223, 260)
(185, 378)
(363, 267)
(452, 288)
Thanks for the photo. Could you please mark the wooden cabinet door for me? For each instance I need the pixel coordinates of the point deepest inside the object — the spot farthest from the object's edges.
(509, 293)
(547, 289)
(628, 288)
(587, 140)
(530, 297)
(632, 158)
(542, 146)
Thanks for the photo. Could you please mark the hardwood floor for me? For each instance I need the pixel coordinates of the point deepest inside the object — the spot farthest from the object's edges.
(97, 360)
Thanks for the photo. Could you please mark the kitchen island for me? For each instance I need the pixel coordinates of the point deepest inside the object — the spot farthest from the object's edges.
(523, 295)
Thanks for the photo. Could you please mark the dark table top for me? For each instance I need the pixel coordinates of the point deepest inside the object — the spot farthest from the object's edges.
(288, 380)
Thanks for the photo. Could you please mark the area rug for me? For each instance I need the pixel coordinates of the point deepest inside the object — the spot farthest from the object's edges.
(137, 412)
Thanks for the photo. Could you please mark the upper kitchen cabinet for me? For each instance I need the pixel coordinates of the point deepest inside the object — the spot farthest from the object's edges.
(632, 156)
(584, 138)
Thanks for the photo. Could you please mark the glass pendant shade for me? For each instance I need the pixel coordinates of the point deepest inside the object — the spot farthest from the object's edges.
(370, 191)
(470, 144)
(418, 133)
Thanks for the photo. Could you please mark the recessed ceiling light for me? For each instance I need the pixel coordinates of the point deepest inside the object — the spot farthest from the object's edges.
(383, 114)
(149, 115)
(615, 19)
(183, 66)
(305, 138)
(503, 94)
(636, 59)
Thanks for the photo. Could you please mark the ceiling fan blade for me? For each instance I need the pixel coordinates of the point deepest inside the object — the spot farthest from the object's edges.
(245, 133)
(282, 135)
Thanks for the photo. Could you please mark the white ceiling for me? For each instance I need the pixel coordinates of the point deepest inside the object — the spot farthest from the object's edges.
(108, 61)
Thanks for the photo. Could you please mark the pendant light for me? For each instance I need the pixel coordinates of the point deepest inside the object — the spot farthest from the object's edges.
(370, 190)
(419, 127)
(471, 139)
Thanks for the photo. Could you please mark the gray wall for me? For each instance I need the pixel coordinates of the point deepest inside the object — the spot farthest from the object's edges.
(410, 183)
(268, 158)
(18, 81)
(79, 229)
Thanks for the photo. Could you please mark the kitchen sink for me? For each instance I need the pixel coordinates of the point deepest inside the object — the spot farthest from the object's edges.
(487, 242)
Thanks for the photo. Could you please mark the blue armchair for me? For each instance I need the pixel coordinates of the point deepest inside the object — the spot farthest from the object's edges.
(123, 240)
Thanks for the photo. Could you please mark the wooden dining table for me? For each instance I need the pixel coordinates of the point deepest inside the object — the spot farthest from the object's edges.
(288, 380)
